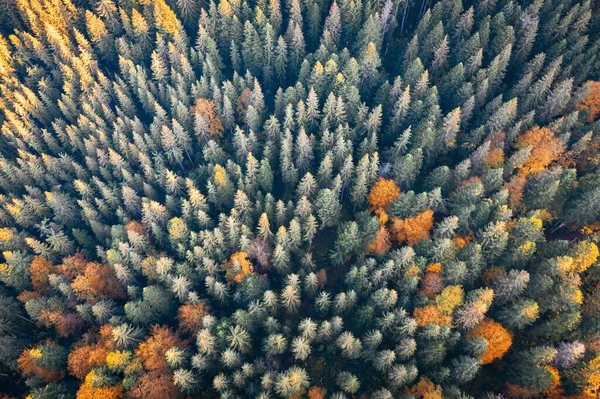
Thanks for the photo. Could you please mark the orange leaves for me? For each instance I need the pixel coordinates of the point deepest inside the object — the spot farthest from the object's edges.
(190, 316)
(40, 269)
(316, 393)
(28, 367)
(425, 389)
(414, 229)
(431, 314)
(499, 339)
(98, 281)
(383, 193)
(592, 101)
(152, 350)
(206, 109)
(84, 358)
(546, 148)
(86, 391)
(238, 267)
(381, 243)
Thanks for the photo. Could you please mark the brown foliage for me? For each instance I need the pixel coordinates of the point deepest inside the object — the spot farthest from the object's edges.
(98, 281)
(40, 268)
(152, 350)
(83, 359)
(206, 109)
(414, 229)
(155, 385)
(431, 285)
(383, 193)
(322, 277)
(499, 339)
(66, 324)
(190, 316)
(546, 148)
(28, 295)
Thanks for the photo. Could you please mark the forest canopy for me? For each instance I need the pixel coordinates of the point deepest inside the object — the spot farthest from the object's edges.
(299, 199)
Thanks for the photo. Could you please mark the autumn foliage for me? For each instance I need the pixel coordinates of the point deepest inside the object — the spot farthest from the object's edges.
(381, 243)
(316, 393)
(425, 389)
(383, 193)
(499, 339)
(152, 350)
(29, 368)
(40, 269)
(190, 316)
(413, 229)
(155, 385)
(98, 281)
(84, 358)
(206, 109)
(546, 148)
(431, 314)
(87, 391)
(592, 102)
(234, 275)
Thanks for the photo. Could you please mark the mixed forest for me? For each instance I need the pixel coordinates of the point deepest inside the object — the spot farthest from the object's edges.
(299, 199)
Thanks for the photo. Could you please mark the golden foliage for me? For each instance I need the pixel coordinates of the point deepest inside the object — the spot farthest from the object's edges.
(383, 193)
(220, 175)
(430, 314)
(434, 268)
(414, 229)
(86, 391)
(451, 297)
(5, 235)
(546, 148)
(116, 359)
(245, 267)
(177, 228)
(165, 18)
(499, 339)
(585, 256)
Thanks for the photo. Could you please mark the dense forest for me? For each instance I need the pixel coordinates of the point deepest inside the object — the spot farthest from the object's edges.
(386, 199)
